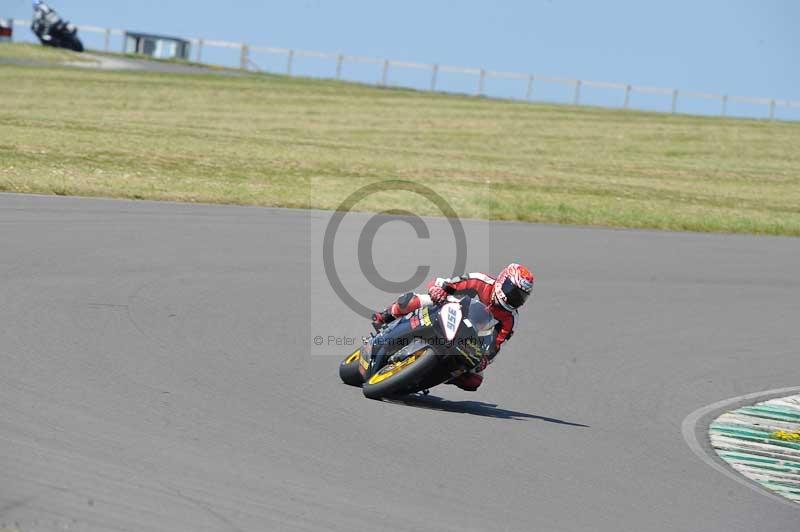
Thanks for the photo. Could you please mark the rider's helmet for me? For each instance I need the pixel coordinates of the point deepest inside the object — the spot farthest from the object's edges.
(513, 286)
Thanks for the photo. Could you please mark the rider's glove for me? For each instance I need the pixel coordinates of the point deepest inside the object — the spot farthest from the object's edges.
(438, 294)
(379, 319)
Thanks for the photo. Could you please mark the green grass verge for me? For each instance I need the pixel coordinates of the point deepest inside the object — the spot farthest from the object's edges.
(292, 142)
(41, 54)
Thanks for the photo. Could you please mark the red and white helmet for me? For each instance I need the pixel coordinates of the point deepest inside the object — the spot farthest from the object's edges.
(513, 286)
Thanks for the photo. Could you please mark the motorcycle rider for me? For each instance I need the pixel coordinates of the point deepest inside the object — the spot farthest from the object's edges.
(502, 296)
(52, 30)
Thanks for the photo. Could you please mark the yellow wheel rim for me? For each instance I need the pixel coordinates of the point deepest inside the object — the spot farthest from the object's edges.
(391, 370)
(353, 357)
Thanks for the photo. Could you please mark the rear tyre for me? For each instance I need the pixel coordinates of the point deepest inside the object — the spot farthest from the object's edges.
(410, 375)
(348, 369)
(75, 44)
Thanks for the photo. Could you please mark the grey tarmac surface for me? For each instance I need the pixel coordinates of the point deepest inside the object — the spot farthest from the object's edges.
(156, 375)
(113, 62)
(124, 63)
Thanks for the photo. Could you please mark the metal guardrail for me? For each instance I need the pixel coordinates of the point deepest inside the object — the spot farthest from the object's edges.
(577, 85)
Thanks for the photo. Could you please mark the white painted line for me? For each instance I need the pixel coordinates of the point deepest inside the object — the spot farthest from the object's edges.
(689, 429)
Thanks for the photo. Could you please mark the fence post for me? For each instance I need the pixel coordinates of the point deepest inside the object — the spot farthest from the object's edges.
(245, 57)
(107, 40)
(772, 109)
(674, 100)
(11, 22)
(434, 75)
(725, 105)
(385, 73)
(529, 90)
(481, 81)
(289, 61)
(339, 61)
(199, 50)
(627, 97)
(577, 99)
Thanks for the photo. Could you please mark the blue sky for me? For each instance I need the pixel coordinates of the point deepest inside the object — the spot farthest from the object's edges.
(738, 47)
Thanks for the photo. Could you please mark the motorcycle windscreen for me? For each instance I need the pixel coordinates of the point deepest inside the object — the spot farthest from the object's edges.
(482, 320)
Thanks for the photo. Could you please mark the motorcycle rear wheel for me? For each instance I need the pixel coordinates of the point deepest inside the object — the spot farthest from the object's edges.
(348, 369)
(73, 43)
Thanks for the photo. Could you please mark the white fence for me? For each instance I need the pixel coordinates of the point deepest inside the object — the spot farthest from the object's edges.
(528, 83)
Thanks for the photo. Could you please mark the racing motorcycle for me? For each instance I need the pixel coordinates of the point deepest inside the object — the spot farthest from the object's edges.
(52, 30)
(421, 350)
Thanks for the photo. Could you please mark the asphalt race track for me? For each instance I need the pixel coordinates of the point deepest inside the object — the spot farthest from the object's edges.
(121, 62)
(156, 375)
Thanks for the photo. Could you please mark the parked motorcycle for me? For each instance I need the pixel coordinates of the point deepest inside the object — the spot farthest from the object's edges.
(426, 348)
(52, 30)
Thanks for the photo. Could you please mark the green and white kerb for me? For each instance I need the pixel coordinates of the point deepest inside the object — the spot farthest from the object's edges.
(762, 442)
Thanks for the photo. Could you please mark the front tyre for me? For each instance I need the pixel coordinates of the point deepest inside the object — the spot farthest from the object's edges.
(405, 376)
(348, 369)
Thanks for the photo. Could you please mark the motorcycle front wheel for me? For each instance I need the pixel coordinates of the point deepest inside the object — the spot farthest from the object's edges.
(417, 371)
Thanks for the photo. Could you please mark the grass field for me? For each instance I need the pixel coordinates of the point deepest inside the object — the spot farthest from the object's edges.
(272, 140)
(40, 54)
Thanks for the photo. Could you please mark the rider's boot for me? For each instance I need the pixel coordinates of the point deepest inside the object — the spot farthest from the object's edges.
(468, 381)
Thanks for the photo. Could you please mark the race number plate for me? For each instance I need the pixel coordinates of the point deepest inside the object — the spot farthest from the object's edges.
(451, 319)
